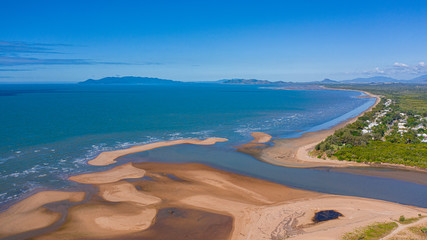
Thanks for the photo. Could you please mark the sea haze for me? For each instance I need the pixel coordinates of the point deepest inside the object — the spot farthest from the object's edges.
(49, 132)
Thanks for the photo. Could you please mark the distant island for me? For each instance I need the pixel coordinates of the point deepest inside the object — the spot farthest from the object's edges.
(128, 80)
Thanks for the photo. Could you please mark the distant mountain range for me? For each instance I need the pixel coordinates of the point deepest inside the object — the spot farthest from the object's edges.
(380, 79)
(240, 81)
(420, 79)
(129, 80)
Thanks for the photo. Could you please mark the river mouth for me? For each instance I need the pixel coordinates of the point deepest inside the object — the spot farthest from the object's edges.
(339, 181)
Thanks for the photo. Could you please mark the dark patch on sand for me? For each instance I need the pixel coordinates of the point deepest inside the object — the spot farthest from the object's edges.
(326, 215)
(184, 224)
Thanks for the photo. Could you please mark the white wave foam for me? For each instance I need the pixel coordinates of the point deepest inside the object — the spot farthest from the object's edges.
(5, 159)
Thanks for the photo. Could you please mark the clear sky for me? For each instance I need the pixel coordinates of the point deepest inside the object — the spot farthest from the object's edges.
(71, 41)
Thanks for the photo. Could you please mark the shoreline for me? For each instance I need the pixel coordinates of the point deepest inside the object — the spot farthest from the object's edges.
(293, 152)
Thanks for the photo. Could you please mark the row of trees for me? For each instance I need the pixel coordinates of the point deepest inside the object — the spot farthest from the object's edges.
(378, 151)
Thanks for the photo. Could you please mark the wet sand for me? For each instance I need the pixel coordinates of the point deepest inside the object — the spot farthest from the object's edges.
(194, 201)
(184, 224)
(30, 213)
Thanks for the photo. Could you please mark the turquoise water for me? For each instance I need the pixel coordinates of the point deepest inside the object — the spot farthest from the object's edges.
(49, 132)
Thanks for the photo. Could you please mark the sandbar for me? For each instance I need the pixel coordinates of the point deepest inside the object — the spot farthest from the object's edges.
(107, 158)
(113, 175)
(259, 140)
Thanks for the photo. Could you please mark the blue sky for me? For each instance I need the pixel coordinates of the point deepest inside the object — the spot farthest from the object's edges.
(71, 41)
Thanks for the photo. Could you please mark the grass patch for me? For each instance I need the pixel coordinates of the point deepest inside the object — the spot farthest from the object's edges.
(404, 220)
(419, 231)
(371, 232)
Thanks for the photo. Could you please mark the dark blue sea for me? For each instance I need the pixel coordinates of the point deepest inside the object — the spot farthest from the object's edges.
(49, 132)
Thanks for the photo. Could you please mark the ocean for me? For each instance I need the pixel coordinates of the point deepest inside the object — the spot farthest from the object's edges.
(49, 132)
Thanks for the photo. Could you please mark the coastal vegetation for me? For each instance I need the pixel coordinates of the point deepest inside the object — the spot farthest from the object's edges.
(404, 220)
(395, 131)
(372, 232)
(383, 229)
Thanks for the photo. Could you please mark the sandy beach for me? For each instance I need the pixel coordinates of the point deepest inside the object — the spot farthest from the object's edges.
(228, 206)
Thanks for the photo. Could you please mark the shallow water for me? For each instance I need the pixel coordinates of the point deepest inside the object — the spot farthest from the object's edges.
(49, 132)
(319, 180)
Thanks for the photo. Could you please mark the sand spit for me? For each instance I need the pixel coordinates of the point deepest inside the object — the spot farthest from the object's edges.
(29, 214)
(260, 137)
(259, 140)
(199, 201)
(125, 171)
(294, 152)
(107, 158)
